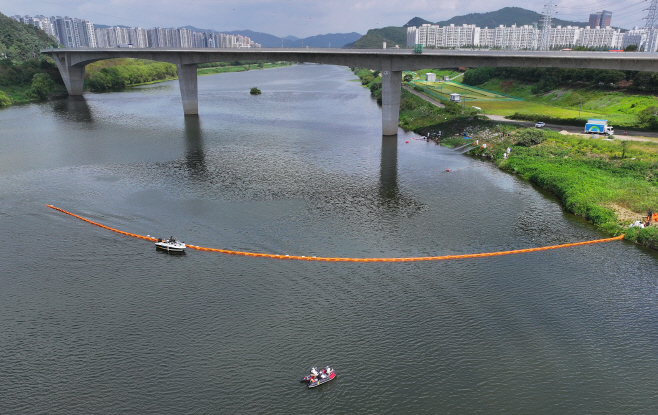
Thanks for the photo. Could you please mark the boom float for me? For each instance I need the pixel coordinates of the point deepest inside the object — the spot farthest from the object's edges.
(329, 259)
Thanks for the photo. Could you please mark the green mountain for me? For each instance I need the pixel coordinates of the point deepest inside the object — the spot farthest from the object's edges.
(20, 42)
(374, 39)
(417, 21)
(506, 16)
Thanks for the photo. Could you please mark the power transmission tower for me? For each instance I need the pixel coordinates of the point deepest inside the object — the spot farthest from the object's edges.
(546, 18)
(650, 26)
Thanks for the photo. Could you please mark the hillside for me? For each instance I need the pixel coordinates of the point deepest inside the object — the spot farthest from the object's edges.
(506, 16)
(392, 35)
(20, 42)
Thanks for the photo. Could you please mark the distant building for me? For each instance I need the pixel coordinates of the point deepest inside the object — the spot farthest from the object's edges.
(79, 33)
(430, 77)
(513, 37)
(600, 19)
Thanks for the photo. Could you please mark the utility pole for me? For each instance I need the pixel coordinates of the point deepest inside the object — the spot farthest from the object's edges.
(650, 26)
(547, 16)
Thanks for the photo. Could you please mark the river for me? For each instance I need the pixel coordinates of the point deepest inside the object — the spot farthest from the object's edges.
(94, 322)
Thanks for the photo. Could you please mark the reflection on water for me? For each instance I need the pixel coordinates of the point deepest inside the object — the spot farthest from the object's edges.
(195, 159)
(388, 176)
(73, 108)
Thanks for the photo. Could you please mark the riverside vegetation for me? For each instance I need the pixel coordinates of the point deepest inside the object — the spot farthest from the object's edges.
(609, 183)
(571, 96)
(116, 74)
(25, 74)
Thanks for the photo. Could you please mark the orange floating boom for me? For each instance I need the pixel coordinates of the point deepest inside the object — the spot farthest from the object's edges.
(314, 258)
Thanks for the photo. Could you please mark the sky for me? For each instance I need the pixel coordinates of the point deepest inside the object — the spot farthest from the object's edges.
(304, 18)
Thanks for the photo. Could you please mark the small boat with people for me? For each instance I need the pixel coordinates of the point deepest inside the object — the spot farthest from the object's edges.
(170, 245)
(318, 377)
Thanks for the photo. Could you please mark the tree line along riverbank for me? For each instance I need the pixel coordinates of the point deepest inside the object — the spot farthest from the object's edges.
(35, 79)
(610, 182)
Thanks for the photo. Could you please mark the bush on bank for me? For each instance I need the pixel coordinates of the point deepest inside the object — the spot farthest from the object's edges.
(4, 100)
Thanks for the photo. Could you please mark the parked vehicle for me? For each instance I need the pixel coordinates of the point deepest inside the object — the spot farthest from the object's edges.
(594, 126)
(540, 124)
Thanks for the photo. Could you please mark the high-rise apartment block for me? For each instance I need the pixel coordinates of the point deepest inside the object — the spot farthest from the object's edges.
(513, 37)
(78, 33)
(600, 19)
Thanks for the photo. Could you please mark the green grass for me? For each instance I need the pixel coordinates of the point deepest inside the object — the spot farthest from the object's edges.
(618, 107)
(592, 178)
(241, 68)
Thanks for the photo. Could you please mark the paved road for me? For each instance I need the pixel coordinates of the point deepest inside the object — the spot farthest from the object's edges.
(619, 134)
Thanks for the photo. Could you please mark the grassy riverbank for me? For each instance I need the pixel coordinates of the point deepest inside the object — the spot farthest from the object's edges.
(610, 183)
(222, 67)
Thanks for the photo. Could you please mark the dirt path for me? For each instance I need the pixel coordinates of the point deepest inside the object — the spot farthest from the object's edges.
(425, 97)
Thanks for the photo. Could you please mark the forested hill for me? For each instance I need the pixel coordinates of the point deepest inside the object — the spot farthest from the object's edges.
(392, 35)
(20, 42)
(506, 16)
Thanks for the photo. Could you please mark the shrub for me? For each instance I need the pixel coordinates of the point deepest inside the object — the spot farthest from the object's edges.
(599, 215)
(4, 99)
(453, 108)
(255, 91)
(647, 236)
(612, 228)
(42, 85)
(530, 137)
(408, 78)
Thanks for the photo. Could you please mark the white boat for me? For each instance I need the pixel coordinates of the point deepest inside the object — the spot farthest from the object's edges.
(170, 245)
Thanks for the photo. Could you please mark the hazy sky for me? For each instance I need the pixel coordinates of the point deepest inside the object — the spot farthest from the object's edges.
(304, 18)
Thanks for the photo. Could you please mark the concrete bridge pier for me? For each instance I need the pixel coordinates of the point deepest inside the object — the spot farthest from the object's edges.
(189, 90)
(73, 76)
(391, 90)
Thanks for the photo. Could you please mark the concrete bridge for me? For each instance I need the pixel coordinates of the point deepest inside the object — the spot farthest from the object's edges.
(391, 63)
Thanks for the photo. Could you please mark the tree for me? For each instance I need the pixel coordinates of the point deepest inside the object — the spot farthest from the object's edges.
(255, 91)
(479, 76)
(42, 85)
(530, 137)
(408, 77)
(630, 48)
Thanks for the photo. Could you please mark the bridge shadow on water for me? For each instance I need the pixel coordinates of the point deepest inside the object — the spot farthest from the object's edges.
(73, 108)
(388, 170)
(195, 157)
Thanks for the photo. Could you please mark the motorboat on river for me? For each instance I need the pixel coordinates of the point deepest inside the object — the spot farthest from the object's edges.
(170, 245)
(318, 377)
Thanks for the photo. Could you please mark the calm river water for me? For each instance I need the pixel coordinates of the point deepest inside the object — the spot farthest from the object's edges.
(93, 322)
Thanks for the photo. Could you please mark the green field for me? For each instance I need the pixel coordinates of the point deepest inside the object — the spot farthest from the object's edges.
(605, 106)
